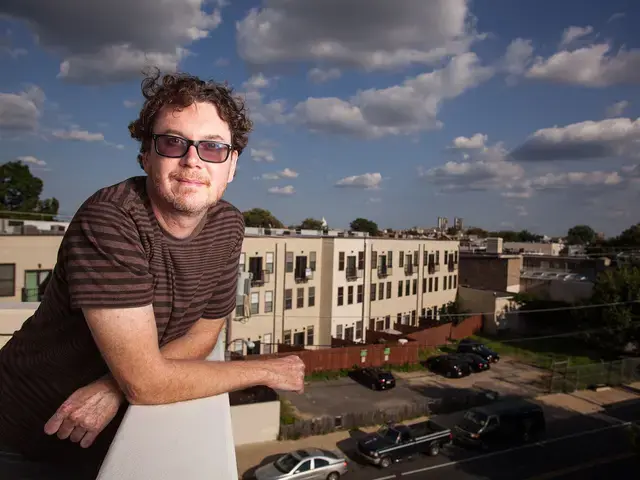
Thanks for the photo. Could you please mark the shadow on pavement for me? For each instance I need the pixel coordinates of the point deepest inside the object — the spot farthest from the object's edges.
(251, 473)
(349, 446)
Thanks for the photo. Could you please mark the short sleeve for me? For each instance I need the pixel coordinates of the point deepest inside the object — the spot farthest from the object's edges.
(104, 261)
(223, 300)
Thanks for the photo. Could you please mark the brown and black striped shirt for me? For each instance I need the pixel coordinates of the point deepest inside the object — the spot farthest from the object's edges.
(114, 255)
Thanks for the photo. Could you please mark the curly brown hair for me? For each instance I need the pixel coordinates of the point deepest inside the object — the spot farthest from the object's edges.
(181, 90)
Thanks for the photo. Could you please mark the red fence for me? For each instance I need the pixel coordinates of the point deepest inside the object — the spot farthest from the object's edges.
(379, 354)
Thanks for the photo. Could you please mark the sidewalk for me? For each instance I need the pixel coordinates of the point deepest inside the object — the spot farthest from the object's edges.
(584, 402)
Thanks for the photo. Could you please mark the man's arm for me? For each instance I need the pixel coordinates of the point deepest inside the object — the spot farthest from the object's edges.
(197, 343)
(127, 339)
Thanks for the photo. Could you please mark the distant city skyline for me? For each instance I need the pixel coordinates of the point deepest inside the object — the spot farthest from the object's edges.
(510, 117)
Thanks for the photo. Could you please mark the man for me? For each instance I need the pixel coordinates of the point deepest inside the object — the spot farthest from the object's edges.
(145, 275)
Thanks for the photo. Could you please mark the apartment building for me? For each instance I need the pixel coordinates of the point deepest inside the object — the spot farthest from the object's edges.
(338, 287)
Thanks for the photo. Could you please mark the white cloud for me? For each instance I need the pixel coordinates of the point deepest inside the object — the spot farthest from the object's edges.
(32, 161)
(78, 135)
(261, 111)
(572, 34)
(286, 173)
(374, 200)
(318, 75)
(221, 62)
(383, 36)
(128, 37)
(7, 47)
(521, 210)
(591, 66)
(617, 109)
(478, 140)
(398, 110)
(517, 57)
(288, 190)
(366, 180)
(130, 103)
(576, 179)
(256, 82)
(262, 155)
(590, 139)
(21, 111)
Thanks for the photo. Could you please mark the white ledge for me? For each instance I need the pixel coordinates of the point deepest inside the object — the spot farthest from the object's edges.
(190, 440)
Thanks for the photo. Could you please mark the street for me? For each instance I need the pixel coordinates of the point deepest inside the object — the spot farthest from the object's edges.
(599, 446)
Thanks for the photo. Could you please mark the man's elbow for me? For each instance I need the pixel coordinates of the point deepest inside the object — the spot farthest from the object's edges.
(148, 387)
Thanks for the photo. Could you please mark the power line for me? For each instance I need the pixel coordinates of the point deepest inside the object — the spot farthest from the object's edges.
(539, 310)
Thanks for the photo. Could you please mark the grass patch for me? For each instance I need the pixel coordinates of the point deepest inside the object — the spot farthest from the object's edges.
(287, 414)
(543, 353)
(327, 375)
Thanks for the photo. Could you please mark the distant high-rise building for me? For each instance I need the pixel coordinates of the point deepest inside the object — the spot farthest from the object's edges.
(443, 223)
(457, 222)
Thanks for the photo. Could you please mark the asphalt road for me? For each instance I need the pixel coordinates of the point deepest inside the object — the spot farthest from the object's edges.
(585, 447)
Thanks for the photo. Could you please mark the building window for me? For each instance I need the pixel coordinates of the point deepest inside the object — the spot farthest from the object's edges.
(424, 285)
(359, 326)
(381, 291)
(7, 279)
(301, 267)
(373, 293)
(437, 257)
(255, 303)
(388, 289)
(242, 262)
(399, 288)
(339, 331)
(312, 261)
(257, 274)
(360, 260)
(390, 259)
(312, 297)
(374, 260)
(266, 344)
(286, 338)
(401, 260)
(415, 286)
(299, 297)
(399, 318)
(455, 281)
(415, 258)
(288, 299)
(360, 298)
(407, 288)
(310, 335)
(387, 322)
(431, 284)
(269, 262)
(413, 317)
(340, 296)
(446, 257)
(380, 325)
(350, 295)
(298, 339)
(289, 262)
(268, 301)
(436, 286)
(341, 261)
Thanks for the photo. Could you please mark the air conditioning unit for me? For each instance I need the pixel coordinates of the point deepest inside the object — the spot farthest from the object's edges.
(244, 283)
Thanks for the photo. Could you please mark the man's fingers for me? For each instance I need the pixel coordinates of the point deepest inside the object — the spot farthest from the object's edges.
(77, 434)
(65, 429)
(54, 423)
(88, 439)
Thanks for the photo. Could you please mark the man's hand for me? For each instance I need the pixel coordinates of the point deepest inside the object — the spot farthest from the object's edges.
(286, 373)
(86, 412)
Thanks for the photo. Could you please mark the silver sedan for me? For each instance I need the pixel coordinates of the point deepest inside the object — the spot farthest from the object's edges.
(307, 464)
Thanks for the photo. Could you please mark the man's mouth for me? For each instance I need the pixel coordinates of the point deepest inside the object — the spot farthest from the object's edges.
(191, 181)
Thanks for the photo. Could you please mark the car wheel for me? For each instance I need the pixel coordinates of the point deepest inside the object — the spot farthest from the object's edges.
(333, 476)
(385, 462)
(434, 450)
(448, 374)
(373, 386)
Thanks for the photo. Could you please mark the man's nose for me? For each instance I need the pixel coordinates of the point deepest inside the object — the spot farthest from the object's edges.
(191, 158)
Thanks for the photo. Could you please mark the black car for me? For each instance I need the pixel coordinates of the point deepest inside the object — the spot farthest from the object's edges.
(375, 378)
(451, 366)
(471, 346)
(476, 362)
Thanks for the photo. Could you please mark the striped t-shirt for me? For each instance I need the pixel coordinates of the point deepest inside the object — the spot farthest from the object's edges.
(115, 255)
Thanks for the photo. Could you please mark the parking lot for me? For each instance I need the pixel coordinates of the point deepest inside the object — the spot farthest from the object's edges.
(338, 397)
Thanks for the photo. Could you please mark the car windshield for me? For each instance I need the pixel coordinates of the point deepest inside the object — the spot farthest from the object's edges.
(484, 350)
(286, 463)
(473, 421)
(389, 434)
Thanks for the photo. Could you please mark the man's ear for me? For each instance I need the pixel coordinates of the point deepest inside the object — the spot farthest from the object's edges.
(233, 166)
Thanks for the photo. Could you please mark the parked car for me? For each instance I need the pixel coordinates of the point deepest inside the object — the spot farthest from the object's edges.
(451, 366)
(469, 345)
(476, 362)
(308, 463)
(503, 422)
(394, 443)
(375, 378)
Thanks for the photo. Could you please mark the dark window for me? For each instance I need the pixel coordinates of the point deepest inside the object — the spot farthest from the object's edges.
(350, 295)
(360, 293)
(301, 267)
(310, 340)
(407, 289)
(312, 296)
(374, 260)
(312, 261)
(415, 286)
(399, 288)
(341, 261)
(401, 260)
(255, 267)
(381, 291)
(300, 298)
(390, 259)
(289, 262)
(388, 289)
(373, 293)
(340, 296)
(7, 279)
(360, 260)
(288, 299)
(424, 285)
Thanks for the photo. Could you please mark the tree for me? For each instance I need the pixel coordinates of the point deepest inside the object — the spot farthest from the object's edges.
(20, 192)
(581, 235)
(311, 224)
(479, 232)
(261, 218)
(364, 225)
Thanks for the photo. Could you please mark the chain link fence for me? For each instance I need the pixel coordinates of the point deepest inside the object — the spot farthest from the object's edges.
(567, 378)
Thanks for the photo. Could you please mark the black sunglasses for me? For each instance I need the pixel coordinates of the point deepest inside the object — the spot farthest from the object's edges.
(172, 146)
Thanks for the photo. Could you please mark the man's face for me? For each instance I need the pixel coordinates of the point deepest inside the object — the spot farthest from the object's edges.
(189, 184)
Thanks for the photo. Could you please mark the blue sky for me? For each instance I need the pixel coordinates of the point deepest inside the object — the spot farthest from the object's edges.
(509, 114)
